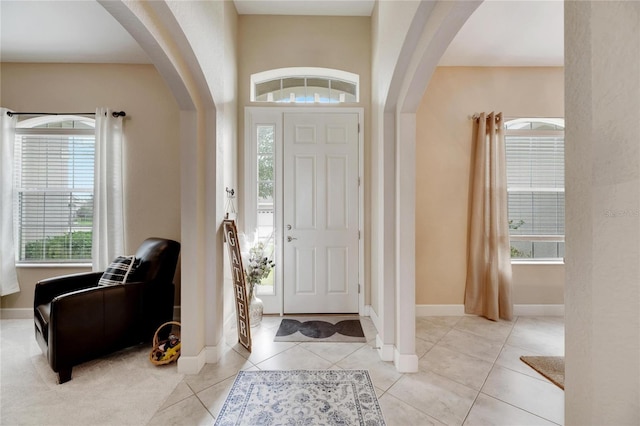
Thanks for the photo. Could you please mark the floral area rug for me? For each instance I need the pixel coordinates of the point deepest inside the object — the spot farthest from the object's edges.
(320, 329)
(301, 397)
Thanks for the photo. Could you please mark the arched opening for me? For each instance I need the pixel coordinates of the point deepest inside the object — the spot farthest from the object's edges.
(431, 30)
(159, 28)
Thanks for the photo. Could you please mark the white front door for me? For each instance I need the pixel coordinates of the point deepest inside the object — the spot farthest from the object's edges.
(320, 213)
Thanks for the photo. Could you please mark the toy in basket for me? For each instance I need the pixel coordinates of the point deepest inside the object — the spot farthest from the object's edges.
(168, 350)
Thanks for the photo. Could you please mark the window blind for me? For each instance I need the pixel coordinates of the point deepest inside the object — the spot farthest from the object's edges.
(535, 186)
(54, 182)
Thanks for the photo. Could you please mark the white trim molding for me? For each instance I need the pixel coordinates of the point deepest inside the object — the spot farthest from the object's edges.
(386, 352)
(192, 364)
(212, 354)
(519, 310)
(405, 363)
(369, 312)
(16, 313)
(365, 311)
(538, 310)
(263, 115)
(439, 310)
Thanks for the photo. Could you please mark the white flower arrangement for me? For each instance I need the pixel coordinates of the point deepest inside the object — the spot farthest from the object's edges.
(257, 264)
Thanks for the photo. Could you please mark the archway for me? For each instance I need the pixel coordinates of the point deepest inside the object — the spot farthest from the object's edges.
(188, 65)
(432, 29)
(160, 29)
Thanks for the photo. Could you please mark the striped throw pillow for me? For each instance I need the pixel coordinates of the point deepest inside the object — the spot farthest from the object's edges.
(118, 271)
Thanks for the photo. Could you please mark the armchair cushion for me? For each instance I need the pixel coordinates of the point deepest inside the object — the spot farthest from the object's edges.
(118, 271)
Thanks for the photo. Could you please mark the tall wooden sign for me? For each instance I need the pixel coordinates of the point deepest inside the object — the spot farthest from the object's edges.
(239, 285)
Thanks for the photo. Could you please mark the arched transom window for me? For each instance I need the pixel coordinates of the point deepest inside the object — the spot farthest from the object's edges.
(305, 85)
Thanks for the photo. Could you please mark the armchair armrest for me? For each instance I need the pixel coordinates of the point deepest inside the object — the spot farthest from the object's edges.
(93, 321)
(46, 290)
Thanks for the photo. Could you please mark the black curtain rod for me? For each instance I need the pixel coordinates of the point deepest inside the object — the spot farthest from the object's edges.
(115, 113)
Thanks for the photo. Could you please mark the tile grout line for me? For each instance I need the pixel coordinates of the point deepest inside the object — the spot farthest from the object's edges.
(451, 327)
(490, 370)
(494, 363)
(520, 408)
(213, 416)
(500, 366)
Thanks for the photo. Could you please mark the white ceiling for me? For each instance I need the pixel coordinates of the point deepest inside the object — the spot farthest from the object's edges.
(64, 31)
(510, 33)
(500, 33)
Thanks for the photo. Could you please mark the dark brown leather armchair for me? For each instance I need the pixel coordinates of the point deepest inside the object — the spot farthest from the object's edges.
(76, 320)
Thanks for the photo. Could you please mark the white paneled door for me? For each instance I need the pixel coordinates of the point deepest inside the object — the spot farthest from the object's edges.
(320, 212)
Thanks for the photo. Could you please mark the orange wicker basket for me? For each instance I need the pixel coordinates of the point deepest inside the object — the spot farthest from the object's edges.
(166, 351)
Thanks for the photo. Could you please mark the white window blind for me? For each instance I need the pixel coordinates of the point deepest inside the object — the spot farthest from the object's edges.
(535, 186)
(54, 200)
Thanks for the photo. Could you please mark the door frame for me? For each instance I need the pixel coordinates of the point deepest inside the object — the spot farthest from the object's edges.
(254, 116)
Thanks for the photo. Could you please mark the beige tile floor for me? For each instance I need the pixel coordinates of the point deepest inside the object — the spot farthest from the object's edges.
(469, 373)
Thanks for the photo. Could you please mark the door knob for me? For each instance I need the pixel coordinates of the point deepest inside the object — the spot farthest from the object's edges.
(291, 238)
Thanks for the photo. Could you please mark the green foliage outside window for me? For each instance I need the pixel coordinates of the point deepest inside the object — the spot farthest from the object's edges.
(514, 251)
(70, 246)
(266, 157)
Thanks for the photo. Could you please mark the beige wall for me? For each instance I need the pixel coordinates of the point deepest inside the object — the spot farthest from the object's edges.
(443, 155)
(152, 150)
(267, 42)
(344, 43)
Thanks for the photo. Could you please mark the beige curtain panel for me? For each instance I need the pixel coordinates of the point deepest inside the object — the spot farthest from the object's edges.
(488, 288)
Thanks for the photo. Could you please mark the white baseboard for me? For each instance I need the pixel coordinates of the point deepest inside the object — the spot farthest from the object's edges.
(16, 313)
(192, 364)
(213, 353)
(405, 363)
(374, 317)
(538, 310)
(365, 311)
(230, 322)
(439, 310)
(384, 351)
(518, 310)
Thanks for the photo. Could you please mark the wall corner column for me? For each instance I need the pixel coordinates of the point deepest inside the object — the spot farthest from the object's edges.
(602, 157)
(405, 358)
(386, 226)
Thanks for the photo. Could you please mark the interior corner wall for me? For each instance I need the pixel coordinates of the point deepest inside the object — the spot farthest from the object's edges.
(602, 312)
(268, 42)
(443, 164)
(211, 31)
(230, 152)
(390, 22)
(152, 149)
